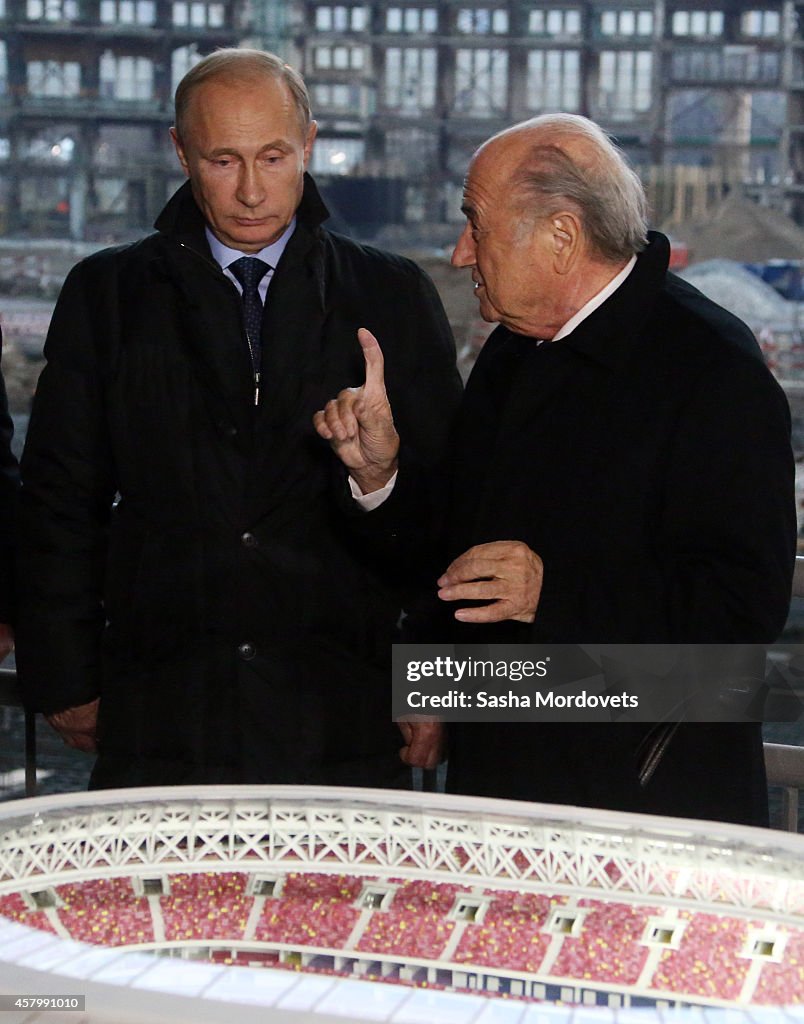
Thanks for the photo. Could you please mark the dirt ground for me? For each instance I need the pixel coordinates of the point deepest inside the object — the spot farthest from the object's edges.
(738, 229)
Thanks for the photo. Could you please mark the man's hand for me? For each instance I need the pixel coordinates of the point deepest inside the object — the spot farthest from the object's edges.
(506, 573)
(77, 726)
(359, 424)
(424, 742)
(6, 640)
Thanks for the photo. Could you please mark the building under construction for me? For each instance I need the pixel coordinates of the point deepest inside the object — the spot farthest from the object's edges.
(403, 93)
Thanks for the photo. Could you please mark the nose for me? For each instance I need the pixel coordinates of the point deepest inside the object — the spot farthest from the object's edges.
(250, 191)
(463, 255)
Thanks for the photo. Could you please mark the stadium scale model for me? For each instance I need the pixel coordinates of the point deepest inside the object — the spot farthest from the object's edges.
(160, 905)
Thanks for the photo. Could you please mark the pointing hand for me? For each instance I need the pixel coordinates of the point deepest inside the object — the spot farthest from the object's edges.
(359, 424)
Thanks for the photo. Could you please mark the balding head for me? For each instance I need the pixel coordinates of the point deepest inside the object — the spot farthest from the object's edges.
(560, 161)
(553, 214)
(235, 66)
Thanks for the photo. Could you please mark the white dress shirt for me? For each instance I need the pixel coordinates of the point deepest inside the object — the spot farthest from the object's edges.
(595, 301)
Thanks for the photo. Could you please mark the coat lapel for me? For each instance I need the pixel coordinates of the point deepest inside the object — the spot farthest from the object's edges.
(292, 330)
(293, 369)
(212, 334)
(605, 338)
(209, 306)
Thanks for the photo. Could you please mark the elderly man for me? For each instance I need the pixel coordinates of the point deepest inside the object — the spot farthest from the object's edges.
(623, 473)
(193, 603)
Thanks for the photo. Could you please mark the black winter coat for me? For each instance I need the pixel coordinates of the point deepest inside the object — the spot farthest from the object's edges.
(184, 554)
(646, 458)
(9, 484)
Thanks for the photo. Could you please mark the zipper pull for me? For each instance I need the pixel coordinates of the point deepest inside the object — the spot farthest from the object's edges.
(257, 387)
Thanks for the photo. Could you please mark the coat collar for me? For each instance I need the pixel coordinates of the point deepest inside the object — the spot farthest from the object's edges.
(182, 222)
(608, 333)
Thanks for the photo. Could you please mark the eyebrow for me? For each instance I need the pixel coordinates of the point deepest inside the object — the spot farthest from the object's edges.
(279, 144)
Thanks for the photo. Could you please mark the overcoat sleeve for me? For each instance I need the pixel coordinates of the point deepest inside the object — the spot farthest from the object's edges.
(9, 482)
(67, 492)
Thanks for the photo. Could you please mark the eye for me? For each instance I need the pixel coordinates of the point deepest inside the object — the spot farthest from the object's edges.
(474, 230)
(222, 162)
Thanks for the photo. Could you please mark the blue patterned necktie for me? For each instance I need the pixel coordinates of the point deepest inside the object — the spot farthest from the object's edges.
(249, 271)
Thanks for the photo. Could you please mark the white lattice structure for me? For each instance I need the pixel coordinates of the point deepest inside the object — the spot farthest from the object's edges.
(656, 866)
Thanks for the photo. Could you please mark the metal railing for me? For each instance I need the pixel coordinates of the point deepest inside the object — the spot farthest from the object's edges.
(784, 765)
(10, 697)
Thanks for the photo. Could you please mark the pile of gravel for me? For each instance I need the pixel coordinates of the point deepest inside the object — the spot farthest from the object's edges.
(729, 284)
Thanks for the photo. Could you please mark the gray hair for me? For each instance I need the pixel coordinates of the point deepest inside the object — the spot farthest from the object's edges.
(242, 65)
(600, 185)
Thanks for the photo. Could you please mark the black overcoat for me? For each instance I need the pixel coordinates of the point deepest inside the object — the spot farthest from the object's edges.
(646, 458)
(9, 485)
(183, 553)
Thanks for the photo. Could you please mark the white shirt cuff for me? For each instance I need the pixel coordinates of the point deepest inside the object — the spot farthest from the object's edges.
(371, 501)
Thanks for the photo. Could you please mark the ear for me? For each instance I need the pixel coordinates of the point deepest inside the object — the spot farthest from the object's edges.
(308, 142)
(565, 237)
(180, 151)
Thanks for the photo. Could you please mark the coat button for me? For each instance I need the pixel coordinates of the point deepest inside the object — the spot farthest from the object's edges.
(247, 650)
(248, 540)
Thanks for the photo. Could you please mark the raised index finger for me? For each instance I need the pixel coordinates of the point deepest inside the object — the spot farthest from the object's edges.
(375, 364)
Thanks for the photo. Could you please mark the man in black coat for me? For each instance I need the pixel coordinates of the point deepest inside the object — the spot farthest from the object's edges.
(194, 605)
(622, 474)
(9, 483)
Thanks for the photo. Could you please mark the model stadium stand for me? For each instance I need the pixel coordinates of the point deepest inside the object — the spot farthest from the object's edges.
(173, 905)
(209, 905)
